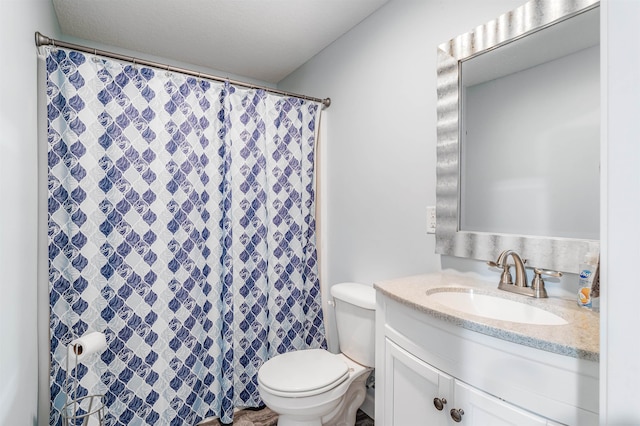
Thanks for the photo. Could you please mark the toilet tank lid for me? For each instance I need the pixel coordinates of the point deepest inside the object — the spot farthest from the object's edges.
(357, 294)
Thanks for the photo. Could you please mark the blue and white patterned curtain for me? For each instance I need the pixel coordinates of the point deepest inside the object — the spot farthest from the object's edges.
(181, 224)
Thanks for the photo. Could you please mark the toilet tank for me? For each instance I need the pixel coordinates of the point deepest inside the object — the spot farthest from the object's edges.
(355, 306)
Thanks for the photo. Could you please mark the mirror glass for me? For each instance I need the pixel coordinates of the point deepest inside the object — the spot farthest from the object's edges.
(518, 136)
(530, 134)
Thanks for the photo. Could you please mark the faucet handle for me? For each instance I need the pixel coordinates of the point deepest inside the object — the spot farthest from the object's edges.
(499, 265)
(548, 273)
(537, 285)
(505, 278)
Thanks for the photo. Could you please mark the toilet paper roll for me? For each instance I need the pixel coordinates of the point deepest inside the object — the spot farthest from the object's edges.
(86, 345)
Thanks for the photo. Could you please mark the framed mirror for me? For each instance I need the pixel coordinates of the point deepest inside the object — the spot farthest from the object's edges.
(518, 136)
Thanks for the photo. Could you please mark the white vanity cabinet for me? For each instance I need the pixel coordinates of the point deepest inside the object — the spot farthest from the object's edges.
(417, 393)
(424, 363)
(411, 386)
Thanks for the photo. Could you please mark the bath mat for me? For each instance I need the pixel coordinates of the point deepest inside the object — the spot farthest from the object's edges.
(249, 417)
(266, 417)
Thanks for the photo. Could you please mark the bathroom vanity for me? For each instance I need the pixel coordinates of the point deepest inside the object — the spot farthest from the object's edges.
(439, 365)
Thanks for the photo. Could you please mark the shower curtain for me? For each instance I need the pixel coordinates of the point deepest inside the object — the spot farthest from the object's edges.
(181, 225)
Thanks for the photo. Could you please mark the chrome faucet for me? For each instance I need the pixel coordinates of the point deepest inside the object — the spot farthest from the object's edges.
(521, 274)
(521, 286)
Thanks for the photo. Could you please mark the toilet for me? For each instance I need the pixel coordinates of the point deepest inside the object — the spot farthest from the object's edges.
(314, 387)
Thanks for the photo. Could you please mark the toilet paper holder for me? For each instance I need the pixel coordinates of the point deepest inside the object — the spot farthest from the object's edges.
(84, 410)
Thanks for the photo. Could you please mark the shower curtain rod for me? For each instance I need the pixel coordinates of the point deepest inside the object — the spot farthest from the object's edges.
(42, 40)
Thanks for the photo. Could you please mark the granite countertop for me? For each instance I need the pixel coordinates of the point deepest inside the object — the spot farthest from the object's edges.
(580, 338)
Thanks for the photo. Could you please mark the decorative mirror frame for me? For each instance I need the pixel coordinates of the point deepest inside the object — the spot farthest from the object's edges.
(562, 254)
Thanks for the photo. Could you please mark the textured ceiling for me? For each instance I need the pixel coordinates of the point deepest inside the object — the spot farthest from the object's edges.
(259, 39)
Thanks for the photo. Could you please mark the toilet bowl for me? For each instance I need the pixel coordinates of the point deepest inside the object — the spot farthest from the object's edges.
(315, 387)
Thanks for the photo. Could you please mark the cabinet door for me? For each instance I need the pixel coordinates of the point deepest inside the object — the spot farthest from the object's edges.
(411, 385)
(482, 409)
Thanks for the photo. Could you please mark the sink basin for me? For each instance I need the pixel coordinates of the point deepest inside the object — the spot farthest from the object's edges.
(494, 307)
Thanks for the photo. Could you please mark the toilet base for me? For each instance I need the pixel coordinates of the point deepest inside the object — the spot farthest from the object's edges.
(345, 413)
(341, 411)
(309, 416)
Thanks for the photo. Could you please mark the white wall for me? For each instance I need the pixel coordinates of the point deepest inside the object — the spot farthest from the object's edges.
(381, 133)
(19, 20)
(620, 342)
(380, 139)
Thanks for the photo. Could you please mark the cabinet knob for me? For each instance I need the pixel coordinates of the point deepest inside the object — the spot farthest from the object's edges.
(456, 414)
(439, 403)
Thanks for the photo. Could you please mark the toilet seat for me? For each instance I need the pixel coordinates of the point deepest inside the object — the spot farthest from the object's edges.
(303, 373)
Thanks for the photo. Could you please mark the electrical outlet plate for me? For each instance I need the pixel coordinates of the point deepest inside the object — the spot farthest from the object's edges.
(431, 220)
